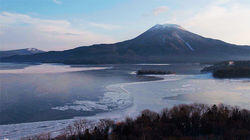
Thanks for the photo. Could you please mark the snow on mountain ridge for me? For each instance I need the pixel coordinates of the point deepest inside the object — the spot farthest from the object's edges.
(33, 50)
(186, 43)
(166, 26)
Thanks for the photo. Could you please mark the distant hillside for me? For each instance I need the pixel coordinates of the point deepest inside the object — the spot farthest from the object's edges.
(28, 51)
(160, 44)
(230, 69)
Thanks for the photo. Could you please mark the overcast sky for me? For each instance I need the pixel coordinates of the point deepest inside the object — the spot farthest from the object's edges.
(66, 24)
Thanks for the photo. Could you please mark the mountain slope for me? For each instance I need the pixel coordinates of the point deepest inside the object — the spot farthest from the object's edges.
(28, 51)
(161, 43)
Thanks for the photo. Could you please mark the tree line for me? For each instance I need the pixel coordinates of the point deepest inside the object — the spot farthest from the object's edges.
(188, 122)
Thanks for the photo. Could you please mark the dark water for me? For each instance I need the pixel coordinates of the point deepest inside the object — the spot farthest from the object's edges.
(27, 97)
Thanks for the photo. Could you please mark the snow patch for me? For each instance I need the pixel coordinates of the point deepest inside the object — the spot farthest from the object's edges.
(189, 46)
(32, 49)
(166, 26)
(186, 43)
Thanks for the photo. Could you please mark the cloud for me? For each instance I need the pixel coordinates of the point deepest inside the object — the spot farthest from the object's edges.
(105, 26)
(221, 2)
(159, 10)
(229, 23)
(22, 31)
(57, 1)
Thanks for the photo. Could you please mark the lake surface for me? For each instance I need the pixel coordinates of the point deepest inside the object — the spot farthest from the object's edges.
(47, 97)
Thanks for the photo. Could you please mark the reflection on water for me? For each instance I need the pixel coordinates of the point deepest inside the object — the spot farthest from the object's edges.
(47, 68)
(32, 92)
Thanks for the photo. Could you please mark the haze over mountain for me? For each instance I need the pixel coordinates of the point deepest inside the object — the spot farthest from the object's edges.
(160, 44)
(27, 51)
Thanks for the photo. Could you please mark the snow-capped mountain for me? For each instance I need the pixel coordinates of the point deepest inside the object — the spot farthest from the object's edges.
(34, 50)
(165, 26)
(27, 51)
(161, 43)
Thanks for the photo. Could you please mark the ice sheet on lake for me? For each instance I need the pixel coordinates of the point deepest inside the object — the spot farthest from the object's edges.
(82, 106)
(115, 97)
(50, 68)
(153, 64)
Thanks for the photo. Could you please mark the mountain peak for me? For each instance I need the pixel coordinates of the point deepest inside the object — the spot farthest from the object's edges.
(166, 26)
(34, 50)
(167, 43)
(26, 51)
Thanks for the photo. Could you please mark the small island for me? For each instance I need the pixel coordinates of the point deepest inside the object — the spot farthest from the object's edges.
(230, 69)
(154, 72)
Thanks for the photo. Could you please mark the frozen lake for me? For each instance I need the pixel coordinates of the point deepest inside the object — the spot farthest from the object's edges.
(59, 94)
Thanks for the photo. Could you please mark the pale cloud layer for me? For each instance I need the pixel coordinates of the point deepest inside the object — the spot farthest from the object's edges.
(57, 1)
(160, 10)
(227, 23)
(22, 31)
(105, 26)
